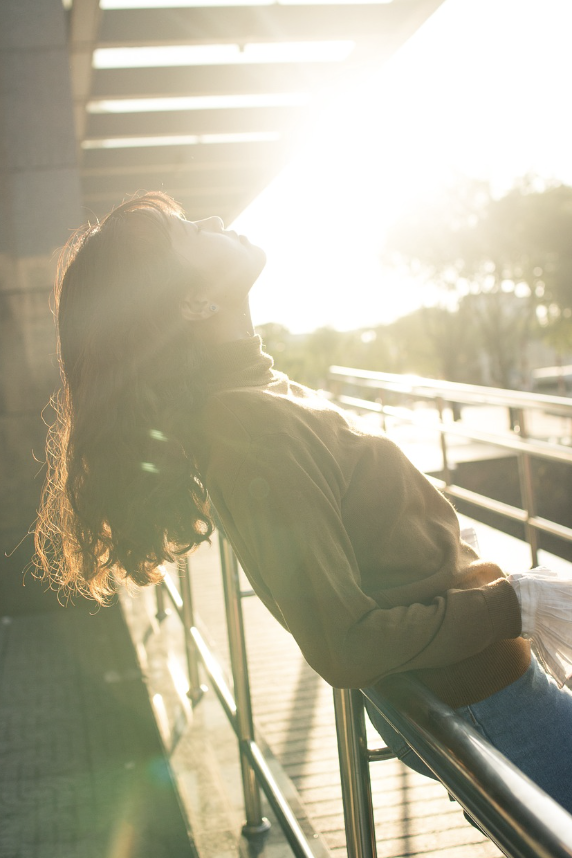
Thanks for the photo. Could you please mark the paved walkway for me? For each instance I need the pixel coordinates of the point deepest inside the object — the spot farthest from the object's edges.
(82, 772)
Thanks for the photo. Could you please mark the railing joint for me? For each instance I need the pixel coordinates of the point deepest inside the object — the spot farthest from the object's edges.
(246, 594)
(378, 755)
(256, 832)
(195, 695)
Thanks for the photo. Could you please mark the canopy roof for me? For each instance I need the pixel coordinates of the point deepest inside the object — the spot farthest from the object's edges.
(208, 102)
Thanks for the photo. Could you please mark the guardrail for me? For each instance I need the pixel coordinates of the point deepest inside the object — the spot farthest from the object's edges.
(513, 811)
(519, 817)
(236, 703)
(509, 808)
(442, 392)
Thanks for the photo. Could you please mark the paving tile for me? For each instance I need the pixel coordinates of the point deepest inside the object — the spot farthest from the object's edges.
(82, 772)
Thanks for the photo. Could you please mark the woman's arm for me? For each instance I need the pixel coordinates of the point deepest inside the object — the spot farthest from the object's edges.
(288, 532)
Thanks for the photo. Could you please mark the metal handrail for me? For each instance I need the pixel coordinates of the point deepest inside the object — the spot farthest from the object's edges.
(512, 810)
(236, 704)
(468, 394)
(441, 392)
(554, 452)
(507, 806)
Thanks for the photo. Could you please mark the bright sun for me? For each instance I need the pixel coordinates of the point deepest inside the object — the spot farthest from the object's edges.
(477, 90)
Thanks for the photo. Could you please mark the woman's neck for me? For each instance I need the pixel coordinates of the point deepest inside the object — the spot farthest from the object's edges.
(227, 326)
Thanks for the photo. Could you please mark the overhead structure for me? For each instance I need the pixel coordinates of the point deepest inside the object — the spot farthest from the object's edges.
(207, 101)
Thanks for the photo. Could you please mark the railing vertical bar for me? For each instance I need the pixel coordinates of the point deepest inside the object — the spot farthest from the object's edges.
(527, 492)
(160, 602)
(354, 773)
(443, 440)
(255, 824)
(380, 399)
(196, 690)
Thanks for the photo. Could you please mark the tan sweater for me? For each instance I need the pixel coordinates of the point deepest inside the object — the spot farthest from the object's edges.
(349, 546)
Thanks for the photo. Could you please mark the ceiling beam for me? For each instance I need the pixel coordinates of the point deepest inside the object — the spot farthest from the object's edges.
(235, 176)
(209, 80)
(218, 178)
(244, 24)
(201, 156)
(172, 123)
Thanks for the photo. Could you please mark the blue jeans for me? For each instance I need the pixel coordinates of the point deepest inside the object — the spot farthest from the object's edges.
(529, 721)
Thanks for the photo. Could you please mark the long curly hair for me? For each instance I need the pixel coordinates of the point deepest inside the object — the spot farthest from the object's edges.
(123, 491)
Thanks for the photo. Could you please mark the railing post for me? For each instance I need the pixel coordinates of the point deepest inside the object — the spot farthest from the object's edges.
(196, 690)
(379, 399)
(446, 470)
(162, 612)
(527, 492)
(256, 824)
(354, 773)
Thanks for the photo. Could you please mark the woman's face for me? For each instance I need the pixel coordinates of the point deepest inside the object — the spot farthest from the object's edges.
(227, 264)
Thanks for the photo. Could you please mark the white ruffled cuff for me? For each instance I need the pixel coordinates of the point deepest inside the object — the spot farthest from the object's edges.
(545, 599)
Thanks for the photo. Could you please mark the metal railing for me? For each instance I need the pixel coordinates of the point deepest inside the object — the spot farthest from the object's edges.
(236, 703)
(509, 808)
(502, 801)
(519, 817)
(517, 441)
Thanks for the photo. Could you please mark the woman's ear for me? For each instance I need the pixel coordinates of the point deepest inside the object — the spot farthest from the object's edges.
(197, 307)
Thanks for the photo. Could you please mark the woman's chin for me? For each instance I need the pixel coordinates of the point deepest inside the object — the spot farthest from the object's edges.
(260, 258)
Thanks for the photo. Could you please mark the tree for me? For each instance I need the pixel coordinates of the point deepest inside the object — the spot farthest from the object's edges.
(507, 260)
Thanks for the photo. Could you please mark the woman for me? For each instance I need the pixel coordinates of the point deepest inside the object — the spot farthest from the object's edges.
(167, 396)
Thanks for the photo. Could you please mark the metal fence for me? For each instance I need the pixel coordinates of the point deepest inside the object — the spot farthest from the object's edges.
(509, 808)
(381, 386)
(235, 701)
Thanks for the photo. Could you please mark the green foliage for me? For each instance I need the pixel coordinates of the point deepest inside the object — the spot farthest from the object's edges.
(508, 261)
(505, 270)
(408, 345)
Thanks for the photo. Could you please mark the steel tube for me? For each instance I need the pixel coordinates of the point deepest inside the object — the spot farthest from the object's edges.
(465, 393)
(196, 690)
(527, 493)
(216, 676)
(160, 602)
(288, 822)
(512, 512)
(255, 822)
(173, 595)
(514, 812)
(536, 448)
(354, 773)
(443, 439)
(551, 527)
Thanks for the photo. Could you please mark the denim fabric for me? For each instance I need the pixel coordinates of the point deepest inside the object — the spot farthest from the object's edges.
(529, 721)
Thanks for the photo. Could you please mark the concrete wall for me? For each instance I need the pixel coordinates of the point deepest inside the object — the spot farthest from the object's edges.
(39, 204)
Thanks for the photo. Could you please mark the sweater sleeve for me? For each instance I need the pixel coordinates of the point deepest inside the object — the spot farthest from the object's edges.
(287, 523)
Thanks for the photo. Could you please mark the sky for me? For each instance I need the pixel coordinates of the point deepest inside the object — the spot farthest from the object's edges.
(483, 88)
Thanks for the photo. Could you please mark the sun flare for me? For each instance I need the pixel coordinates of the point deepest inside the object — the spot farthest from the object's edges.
(461, 96)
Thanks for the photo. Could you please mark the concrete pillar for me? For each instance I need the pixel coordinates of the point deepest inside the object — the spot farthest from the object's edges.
(39, 203)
